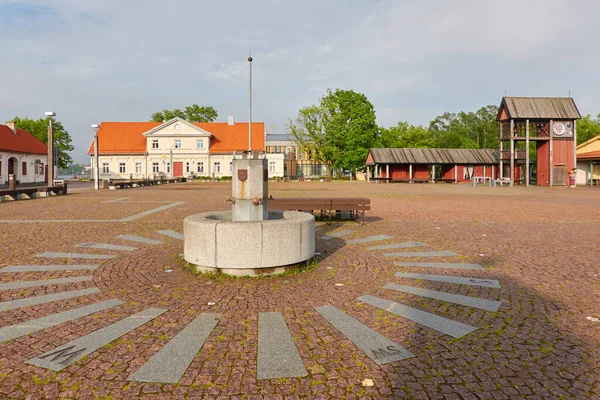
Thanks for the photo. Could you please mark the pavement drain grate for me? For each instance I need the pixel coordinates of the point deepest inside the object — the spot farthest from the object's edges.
(47, 298)
(43, 282)
(491, 283)
(172, 234)
(475, 302)
(61, 357)
(444, 325)
(45, 268)
(35, 325)
(278, 356)
(171, 362)
(139, 239)
(377, 347)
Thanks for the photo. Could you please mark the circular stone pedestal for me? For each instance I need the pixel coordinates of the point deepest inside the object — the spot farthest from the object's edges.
(213, 242)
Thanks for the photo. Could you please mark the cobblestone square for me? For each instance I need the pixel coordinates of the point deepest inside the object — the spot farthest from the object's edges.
(414, 325)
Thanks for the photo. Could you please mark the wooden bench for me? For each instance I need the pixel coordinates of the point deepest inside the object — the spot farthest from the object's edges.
(330, 206)
(444, 180)
(32, 192)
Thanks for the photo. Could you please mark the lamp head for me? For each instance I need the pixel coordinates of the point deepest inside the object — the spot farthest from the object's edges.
(50, 114)
(95, 126)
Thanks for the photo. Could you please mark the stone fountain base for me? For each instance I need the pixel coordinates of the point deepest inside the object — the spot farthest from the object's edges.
(213, 242)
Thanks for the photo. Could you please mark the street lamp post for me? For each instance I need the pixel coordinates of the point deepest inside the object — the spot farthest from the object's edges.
(96, 158)
(50, 163)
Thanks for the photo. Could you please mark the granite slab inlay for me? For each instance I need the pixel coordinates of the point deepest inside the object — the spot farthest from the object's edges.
(47, 298)
(475, 302)
(444, 325)
(377, 347)
(278, 355)
(35, 325)
(61, 357)
(491, 283)
(171, 362)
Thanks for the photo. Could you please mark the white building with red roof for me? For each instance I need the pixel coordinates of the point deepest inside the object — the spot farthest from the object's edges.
(175, 148)
(21, 155)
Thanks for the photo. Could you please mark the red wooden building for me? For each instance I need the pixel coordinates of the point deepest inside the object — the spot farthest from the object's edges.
(430, 165)
(551, 123)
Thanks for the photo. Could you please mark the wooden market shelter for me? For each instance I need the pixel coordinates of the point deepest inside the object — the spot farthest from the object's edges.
(551, 122)
(431, 165)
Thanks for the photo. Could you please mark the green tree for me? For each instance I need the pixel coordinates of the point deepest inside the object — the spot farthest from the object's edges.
(39, 129)
(351, 126)
(309, 133)
(587, 128)
(337, 132)
(193, 113)
(474, 130)
(405, 135)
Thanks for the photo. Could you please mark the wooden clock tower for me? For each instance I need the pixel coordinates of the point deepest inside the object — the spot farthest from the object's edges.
(549, 122)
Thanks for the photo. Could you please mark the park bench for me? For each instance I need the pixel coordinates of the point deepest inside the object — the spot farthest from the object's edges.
(32, 192)
(333, 207)
(444, 180)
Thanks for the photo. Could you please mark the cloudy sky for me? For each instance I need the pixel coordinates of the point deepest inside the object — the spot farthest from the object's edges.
(121, 60)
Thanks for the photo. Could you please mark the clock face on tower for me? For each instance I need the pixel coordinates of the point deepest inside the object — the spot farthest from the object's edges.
(558, 129)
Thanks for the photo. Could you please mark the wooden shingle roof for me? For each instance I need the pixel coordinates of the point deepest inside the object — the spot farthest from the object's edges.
(434, 156)
(540, 108)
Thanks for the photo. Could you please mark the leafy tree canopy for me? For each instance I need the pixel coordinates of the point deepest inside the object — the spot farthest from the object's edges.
(193, 113)
(337, 132)
(39, 129)
(587, 128)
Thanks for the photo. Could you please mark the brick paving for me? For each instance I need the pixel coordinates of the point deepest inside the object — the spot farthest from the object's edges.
(539, 243)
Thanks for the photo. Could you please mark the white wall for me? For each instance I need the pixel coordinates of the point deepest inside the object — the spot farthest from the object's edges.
(31, 176)
(275, 162)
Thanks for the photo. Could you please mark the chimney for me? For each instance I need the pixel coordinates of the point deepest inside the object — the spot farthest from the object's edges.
(12, 126)
(230, 120)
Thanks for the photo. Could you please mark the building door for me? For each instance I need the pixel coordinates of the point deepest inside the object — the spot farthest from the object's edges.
(178, 168)
(559, 176)
(12, 169)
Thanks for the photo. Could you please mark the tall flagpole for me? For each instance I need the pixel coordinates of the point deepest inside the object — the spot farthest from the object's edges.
(250, 107)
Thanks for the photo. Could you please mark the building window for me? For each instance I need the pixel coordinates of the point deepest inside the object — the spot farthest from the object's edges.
(271, 166)
(187, 167)
(177, 143)
(230, 167)
(217, 167)
(105, 169)
(24, 167)
(168, 168)
(138, 167)
(199, 143)
(155, 167)
(121, 167)
(155, 143)
(200, 166)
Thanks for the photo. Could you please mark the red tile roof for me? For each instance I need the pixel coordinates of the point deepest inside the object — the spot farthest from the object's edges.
(22, 142)
(128, 138)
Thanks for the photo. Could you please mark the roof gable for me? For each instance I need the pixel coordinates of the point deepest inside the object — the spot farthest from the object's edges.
(538, 108)
(592, 144)
(177, 126)
(21, 142)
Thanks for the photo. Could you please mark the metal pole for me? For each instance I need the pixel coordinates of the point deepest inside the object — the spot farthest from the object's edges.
(250, 106)
(96, 161)
(171, 162)
(550, 158)
(50, 154)
(575, 149)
